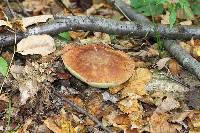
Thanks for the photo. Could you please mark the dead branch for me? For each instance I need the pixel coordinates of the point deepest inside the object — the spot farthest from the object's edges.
(81, 110)
(74, 23)
(172, 46)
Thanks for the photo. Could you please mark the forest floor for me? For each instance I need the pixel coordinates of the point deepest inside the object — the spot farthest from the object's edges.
(160, 97)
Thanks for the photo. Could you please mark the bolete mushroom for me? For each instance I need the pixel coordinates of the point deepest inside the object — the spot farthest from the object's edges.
(97, 65)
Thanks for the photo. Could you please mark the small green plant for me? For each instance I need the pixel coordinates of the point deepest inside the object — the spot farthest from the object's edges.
(3, 66)
(65, 36)
(156, 7)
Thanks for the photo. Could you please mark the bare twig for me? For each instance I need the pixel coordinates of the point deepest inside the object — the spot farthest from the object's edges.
(89, 23)
(10, 9)
(172, 46)
(81, 110)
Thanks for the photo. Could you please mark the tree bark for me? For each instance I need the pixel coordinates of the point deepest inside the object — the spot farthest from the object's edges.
(74, 23)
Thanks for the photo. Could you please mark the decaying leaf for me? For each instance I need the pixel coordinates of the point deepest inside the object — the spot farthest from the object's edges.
(136, 84)
(97, 38)
(174, 67)
(186, 46)
(28, 89)
(159, 124)
(129, 105)
(35, 19)
(195, 118)
(60, 124)
(167, 105)
(36, 44)
(162, 62)
(188, 22)
(37, 6)
(165, 18)
(121, 121)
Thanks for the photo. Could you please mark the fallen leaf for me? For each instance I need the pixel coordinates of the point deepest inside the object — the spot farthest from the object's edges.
(186, 46)
(152, 52)
(188, 22)
(129, 105)
(60, 124)
(28, 89)
(36, 44)
(174, 67)
(195, 119)
(121, 121)
(37, 6)
(168, 104)
(165, 18)
(159, 124)
(136, 85)
(97, 38)
(35, 19)
(162, 62)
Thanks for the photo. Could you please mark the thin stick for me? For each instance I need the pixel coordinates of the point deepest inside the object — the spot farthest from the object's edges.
(10, 9)
(81, 110)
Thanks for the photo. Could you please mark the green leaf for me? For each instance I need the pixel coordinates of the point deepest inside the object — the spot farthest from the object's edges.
(3, 66)
(148, 7)
(186, 7)
(196, 9)
(172, 17)
(65, 35)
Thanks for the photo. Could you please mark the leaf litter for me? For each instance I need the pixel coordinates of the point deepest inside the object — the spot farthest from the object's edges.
(150, 101)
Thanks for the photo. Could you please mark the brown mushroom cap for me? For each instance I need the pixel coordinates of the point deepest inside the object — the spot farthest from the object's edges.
(97, 65)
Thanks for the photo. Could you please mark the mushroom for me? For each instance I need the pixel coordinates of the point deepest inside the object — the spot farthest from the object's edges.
(97, 65)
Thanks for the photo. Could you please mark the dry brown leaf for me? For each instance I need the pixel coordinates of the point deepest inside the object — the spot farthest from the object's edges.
(162, 62)
(129, 105)
(117, 120)
(77, 34)
(92, 10)
(179, 117)
(36, 44)
(186, 46)
(94, 104)
(3, 97)
(195, 118)
(159, 124)
(37, 6)
(136, 85)
(152, 52)
(137, 119)
(60, 124)
(28, 88)
(165, 18)
(174, 67)
(188, 22)
(97, 38)
(116, 89)
(168, 104)
(35, 19)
